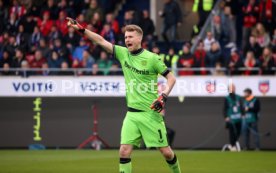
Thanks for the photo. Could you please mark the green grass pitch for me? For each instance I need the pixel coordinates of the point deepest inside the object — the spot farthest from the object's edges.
(88, 161)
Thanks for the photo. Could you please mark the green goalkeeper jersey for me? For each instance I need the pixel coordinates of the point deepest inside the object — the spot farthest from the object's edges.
(141, 72)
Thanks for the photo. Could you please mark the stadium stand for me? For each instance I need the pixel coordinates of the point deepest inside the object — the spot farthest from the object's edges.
(34, 37)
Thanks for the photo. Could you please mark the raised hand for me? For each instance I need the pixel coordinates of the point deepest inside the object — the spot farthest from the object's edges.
(73, 23)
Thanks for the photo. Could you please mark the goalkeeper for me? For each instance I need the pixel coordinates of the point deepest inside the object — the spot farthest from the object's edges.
(143, 119)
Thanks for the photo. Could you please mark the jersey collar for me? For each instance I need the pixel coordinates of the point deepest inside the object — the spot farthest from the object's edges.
(137, 52)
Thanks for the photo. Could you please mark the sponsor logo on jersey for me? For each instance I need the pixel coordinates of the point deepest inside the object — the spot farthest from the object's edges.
(264, 86)
(135, 70)
(144, 63)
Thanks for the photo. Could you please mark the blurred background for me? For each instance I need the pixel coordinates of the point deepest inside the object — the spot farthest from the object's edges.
(54, 81)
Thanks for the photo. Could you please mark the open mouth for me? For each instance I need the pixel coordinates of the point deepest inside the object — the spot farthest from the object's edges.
(129, 45)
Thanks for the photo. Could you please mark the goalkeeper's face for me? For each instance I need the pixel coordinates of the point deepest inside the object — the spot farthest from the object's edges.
(133, 40)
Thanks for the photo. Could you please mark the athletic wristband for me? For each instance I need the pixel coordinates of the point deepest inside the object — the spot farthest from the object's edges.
(81, 31)
(165, 97)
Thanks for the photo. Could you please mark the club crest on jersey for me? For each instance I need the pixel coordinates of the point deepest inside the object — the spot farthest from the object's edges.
(210, 86)
(144, 63)
(264, 86)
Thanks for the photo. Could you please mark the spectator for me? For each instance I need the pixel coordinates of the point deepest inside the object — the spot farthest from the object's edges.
(96, 23)
(54, 34)
(77, 64)
(65, 71)
(6, 70)
(22, 38)
(87, 62)
(38, 60)
(4, 40)
(17, 9)
(274, 57)
(218, 69)
(267, 62)
(249, 63)
(18, 58)
(156, 50)
(186, 61)
(54, 61)
(25, 72)
(233, 111)
(35, 8)
(78, 52)
(65, 8)
(172, 18)
(235, 62)
(109, 19)
(250, 18)
(252, 109)
(12, 45)
(50, 8)
(137, 15)
(4, 15)
(29, 24)
(5, 59)
(45, 24)
(96, 71)
(253, 46)
(34, 39)
(121, 37)
(12, 24)
(147, 25)
(108, 34)
(273, 41)
(267, 14)
(217, 29)
(128, 18)
(228, 27)
(214, 56)
(43, 47)
(208, 41)
(114, 70)
(262, 36)
(104, 64)
(93, 8)
(61, 23)
(62, 51)
(200, 58)
(233, 4)
(171, 59)
(81, 20)
(45, 69)
(203, 8)
(71, 39)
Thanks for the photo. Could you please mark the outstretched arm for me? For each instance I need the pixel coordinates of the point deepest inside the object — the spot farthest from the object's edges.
(94, 37)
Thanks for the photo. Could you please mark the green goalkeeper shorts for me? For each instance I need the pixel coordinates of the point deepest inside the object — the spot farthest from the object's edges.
(148, 126)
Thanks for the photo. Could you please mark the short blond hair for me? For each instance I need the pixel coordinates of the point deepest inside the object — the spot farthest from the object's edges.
(132, 28)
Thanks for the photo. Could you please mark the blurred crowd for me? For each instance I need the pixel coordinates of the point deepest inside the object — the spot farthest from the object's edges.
(241, 40)
(34, 34)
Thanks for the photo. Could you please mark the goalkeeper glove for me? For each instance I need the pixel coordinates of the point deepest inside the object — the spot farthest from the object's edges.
(159, 104)
(73, 23)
